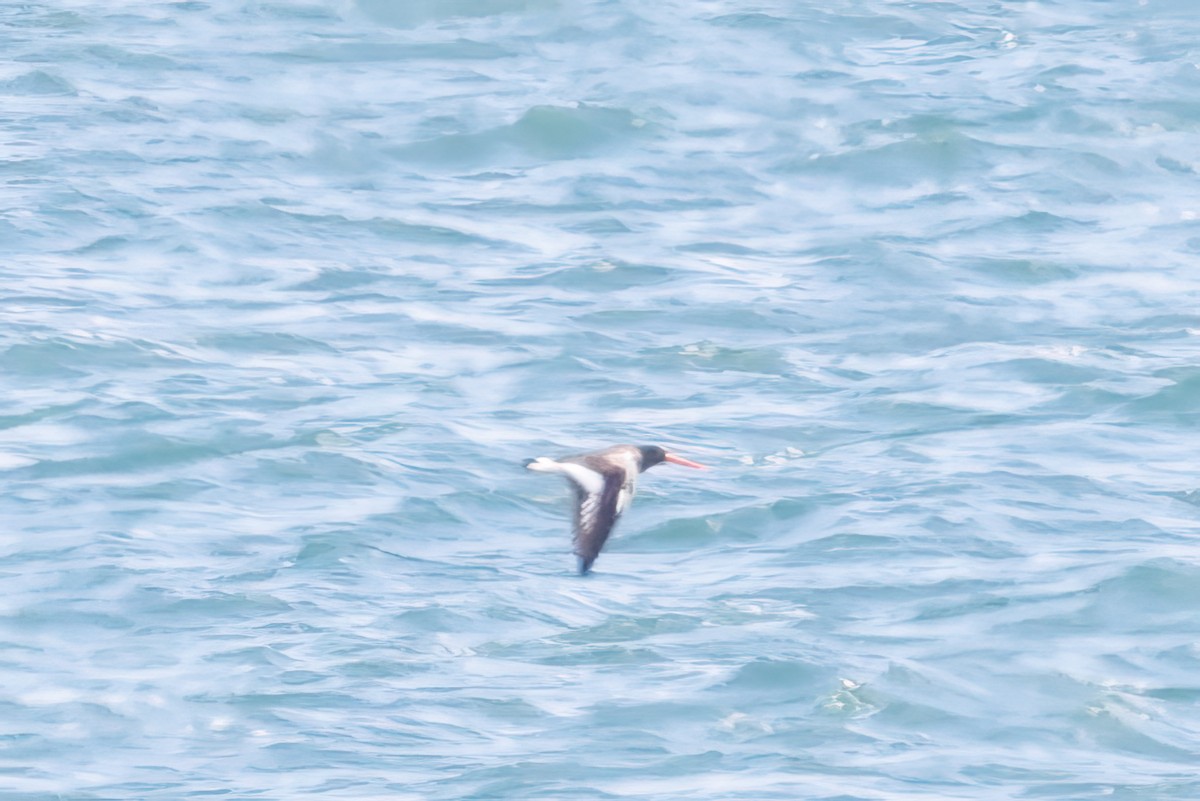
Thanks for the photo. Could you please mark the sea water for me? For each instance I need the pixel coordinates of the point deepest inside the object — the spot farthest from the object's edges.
(290, 290)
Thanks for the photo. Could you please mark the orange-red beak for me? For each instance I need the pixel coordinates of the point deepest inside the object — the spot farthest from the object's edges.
(673, 459)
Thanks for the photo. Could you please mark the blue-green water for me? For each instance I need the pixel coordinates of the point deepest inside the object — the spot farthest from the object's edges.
(290, 290)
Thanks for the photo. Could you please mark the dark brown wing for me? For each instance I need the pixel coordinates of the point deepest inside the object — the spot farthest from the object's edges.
(596, 514)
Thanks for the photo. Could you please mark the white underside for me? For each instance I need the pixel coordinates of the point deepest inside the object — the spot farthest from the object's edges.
(625, 497)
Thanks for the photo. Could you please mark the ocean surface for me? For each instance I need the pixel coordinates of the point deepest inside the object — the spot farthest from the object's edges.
(290, 290)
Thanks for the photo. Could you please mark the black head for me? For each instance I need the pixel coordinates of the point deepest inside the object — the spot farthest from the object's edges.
(651, 455)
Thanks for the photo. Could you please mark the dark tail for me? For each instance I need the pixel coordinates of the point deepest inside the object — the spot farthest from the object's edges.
(585, 564)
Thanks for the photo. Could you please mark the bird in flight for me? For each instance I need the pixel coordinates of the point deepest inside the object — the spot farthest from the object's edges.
(604, 482)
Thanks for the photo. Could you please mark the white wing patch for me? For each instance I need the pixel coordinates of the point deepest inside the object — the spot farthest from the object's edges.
(589, 507)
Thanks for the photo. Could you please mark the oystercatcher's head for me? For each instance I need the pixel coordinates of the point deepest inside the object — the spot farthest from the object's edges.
(653, 454)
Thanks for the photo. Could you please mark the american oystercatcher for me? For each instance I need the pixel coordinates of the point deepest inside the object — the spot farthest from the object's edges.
(604, 483)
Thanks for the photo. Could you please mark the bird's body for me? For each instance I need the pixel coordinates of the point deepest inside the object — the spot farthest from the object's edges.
(604, 482)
